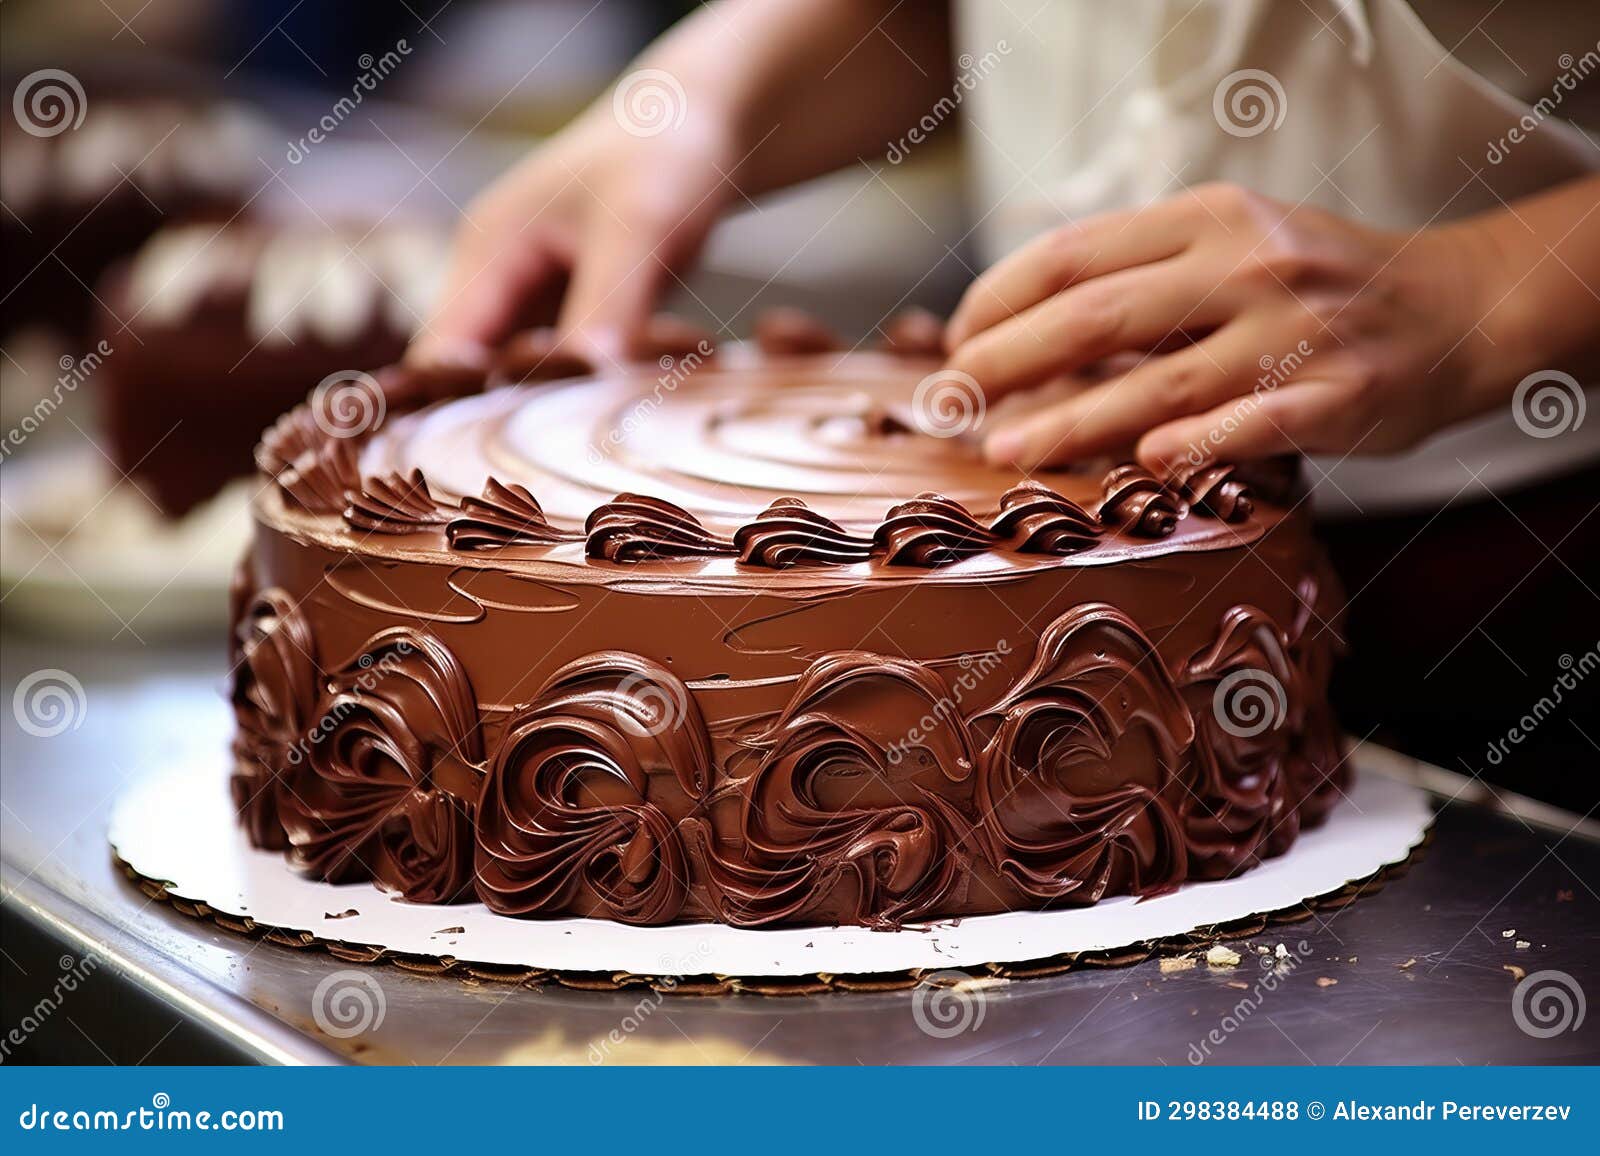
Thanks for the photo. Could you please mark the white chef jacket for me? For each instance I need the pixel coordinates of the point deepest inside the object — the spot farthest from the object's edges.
(1399, 115)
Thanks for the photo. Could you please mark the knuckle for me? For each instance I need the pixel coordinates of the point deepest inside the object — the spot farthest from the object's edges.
(1186, 384)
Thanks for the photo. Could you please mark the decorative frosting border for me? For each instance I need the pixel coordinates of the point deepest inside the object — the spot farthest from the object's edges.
(312, 455)
(380, 765)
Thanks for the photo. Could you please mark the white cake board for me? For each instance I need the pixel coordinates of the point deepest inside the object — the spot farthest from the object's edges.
(178, 827)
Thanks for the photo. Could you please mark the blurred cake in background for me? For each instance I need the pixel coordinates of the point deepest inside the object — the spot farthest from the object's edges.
(77, 200)
(219, 330)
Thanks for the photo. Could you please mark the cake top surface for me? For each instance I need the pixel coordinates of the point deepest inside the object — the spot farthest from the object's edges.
(850, 435)
(741, 459)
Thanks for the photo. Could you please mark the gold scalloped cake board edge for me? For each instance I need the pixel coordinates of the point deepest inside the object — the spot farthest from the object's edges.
(814, 984)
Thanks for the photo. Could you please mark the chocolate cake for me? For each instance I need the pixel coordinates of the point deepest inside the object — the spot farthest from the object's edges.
(217, 329)
(758, 639)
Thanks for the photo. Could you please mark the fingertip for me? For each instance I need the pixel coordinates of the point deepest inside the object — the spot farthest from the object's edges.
(1006, 447)
(446, 350)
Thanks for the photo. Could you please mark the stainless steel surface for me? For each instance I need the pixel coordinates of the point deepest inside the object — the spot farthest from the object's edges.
(170, 988)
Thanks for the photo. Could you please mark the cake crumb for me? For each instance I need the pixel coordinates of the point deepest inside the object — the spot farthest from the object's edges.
(1178, 963)
(1408, 964)
(1352, 959)
(1324, 981)
(1523, 945)
(1517, 973)
(1564, 896)
(1220, 956)
(1281, 951)
(345, 914)
(1237, 985)
(1508, 933)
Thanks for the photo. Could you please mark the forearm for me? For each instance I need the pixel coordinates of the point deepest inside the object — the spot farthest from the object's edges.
(1539, 295)
(806, 86)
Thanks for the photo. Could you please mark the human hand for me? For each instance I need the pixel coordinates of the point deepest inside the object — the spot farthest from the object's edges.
(583, 233)
(1261, 327)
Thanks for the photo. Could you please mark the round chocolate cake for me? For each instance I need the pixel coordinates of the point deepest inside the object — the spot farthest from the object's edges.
(759, 639)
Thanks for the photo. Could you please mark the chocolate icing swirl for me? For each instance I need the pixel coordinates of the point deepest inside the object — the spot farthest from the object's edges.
(1213, 491)
(1034, 519)
(1240, 798)
(789, 533)
(566, 822)
(1076, 778)
(397, 748)
(635, 528)
(274, 699)
(312, 468)
(1137, 503)
(1317, 769)
(837, 800)
(394, 504)
(930, 530)
(503, 516)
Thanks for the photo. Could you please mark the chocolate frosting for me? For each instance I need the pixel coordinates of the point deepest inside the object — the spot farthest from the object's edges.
(1139, 504)
(393, 504)
(398, 724)
(633, 528)
(787, 533)
(930, 530)
(688, 651)
(312, 467)
(1215, 492)
(566, 816)
(505, 515)
(1034, 519)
